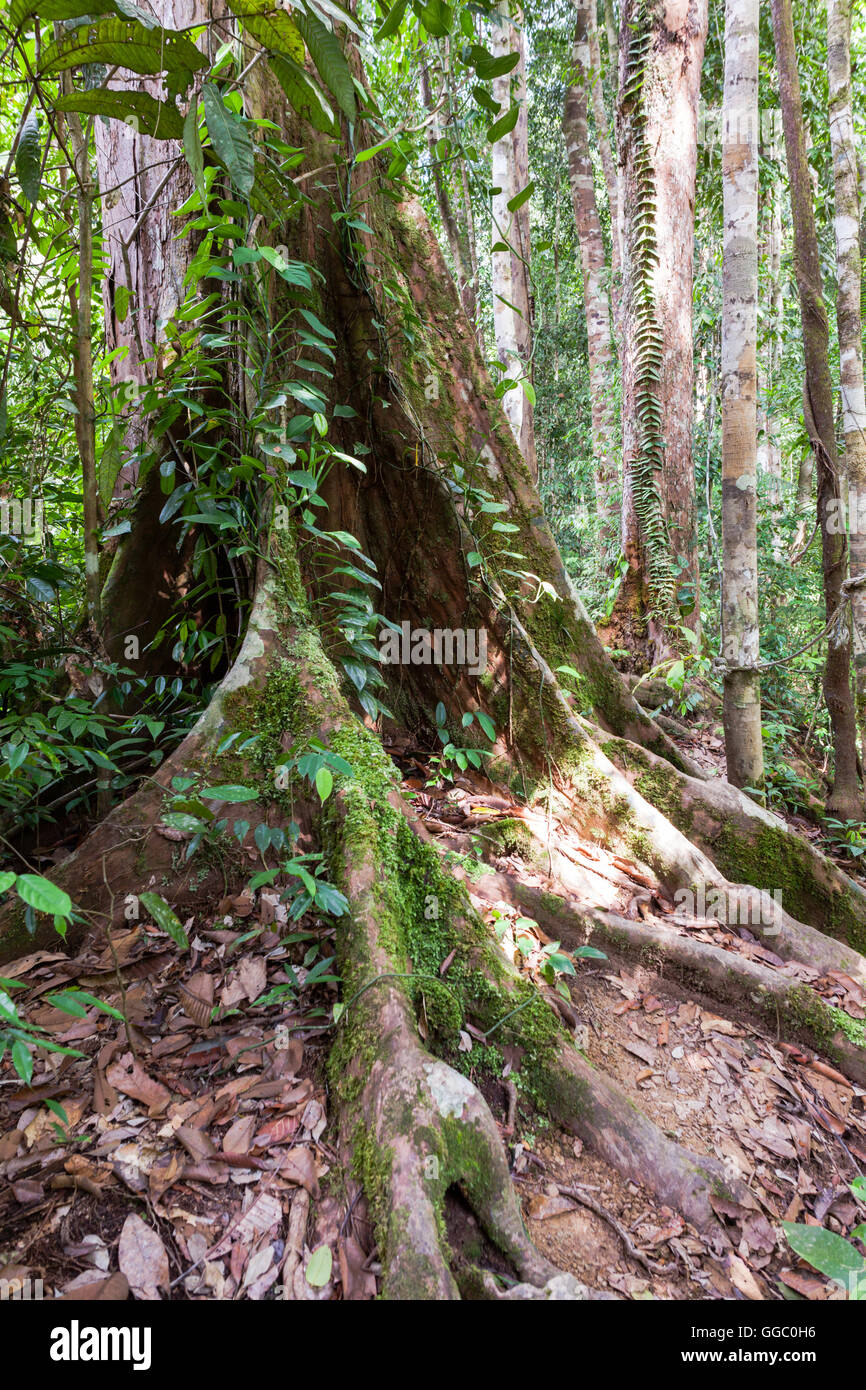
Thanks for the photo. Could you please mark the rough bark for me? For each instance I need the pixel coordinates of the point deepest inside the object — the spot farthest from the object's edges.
(596, 298)
(660, 64)
(850, 328)
(416, 1126)
(740, 636)
(512, 298)
(846, 798)
(608, 164)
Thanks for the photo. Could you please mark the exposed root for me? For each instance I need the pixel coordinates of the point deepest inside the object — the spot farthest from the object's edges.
(761, 993)
(418, 1126)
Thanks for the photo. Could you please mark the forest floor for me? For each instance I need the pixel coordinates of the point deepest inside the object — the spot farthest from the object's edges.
(172, 1155)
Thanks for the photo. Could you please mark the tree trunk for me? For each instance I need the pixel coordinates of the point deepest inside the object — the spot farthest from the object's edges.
(457, 237)
(660, 65)
(740, 636)
(594, 77)
(850, 328)
(512, 300)
(418, 1127)
(845, 800)
(596, 301)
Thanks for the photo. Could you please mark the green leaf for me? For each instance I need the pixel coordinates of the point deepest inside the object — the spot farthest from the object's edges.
(43, 895)
(22, 1061)
(6, 880)
(319, 1267)
(488, 67)
(271, 25)
(324, 783)
(520, 198)
(304, 95)
(326, 53)
(28, 158)
(22, 10)
(231, 140)
(119, 44)
(487, 725)
(504, 125)
(262, 836)
(588, 953)
(192, 149)
(435, 16)
(140, 111)
(165, 918)
(825, 1251)
(230, 792)
(392, 22)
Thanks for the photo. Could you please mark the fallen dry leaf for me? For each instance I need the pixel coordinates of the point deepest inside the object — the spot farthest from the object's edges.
(142, 1258)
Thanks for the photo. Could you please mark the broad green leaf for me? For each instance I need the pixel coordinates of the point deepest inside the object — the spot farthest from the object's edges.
(231, 792)
(303, 94)
(28, 158)
(6, 880)
(22, 10)
(124, 45)
(435, 15)
(392, 22)
(488, 67)
(165, 918)
(271, 25)
(327, 54)
(231, 139)
(22, 1061)
(43, 895)
(487, 725)
(139, 110)
(319, 1267)
(520, 198)
(504, 125)
(825, 1251)
(324, 783)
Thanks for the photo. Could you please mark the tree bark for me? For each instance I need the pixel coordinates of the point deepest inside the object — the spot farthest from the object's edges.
(596, 300)
(512, 299)
(740, 636)
(845, 799)
(611, 180)
(849, 287)
(660, 65)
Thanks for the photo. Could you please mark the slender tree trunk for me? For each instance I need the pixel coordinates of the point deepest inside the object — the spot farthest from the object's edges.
(850, 328)
(595, 285)
(593, 76)
(660, 64)
(80, 301)
(512, 300)
(845, 801)
(740, 636)
(454, 234)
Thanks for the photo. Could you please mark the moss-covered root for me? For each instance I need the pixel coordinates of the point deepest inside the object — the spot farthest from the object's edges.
(758, 991)
(748, 844)
(416, 1126)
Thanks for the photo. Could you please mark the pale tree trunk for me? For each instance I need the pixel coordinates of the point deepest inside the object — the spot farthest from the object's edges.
(850, 327)
(769, 357)
(456, 236)
(740, 636)
(512, 301)
(660, 66)
(595, 285)
(592, 75)
(845, 800)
